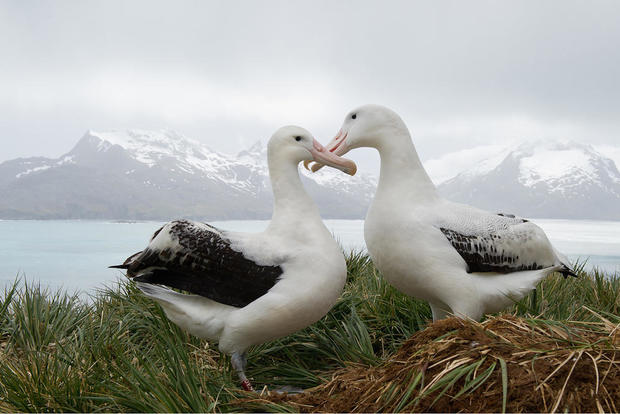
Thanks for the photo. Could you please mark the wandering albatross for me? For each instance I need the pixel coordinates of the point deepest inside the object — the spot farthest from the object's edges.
(462, 260)
(250, 288)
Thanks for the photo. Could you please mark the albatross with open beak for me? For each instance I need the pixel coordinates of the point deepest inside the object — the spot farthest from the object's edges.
(245, 289)
(461, 259)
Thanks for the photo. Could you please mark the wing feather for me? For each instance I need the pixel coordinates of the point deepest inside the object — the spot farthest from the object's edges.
(198, 258)
(499, 243)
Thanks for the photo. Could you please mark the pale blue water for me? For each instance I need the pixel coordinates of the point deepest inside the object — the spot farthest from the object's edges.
(75, 254)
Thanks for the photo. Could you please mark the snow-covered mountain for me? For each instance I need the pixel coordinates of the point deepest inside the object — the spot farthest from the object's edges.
(162, 175)
(138, 174)
(542, 179)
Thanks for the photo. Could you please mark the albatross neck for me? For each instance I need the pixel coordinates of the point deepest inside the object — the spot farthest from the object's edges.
(291, 204)
(402, 173)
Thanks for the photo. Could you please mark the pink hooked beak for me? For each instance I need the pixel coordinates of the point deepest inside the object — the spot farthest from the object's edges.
(336, 147)
(321, 156)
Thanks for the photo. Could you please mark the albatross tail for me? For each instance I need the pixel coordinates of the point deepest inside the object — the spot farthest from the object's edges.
(503, 290)
(196, 314)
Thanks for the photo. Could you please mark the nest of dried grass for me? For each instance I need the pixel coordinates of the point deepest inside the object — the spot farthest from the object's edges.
(504, 364)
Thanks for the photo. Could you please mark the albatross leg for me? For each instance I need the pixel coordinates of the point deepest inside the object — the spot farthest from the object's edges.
(239, 361)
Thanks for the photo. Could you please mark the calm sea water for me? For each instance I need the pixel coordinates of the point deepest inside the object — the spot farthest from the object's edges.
(75, 254)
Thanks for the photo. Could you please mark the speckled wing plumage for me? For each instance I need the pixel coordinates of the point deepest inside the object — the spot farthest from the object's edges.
(499, 242)
(198, 258)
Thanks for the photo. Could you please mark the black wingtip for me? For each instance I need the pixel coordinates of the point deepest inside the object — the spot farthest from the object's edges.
(566, 272)
(126, 263)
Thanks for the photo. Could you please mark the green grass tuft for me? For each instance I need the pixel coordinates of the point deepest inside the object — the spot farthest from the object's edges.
(118, 352)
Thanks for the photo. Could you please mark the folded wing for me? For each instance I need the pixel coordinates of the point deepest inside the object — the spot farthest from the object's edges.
(500, 243)
(198, 258)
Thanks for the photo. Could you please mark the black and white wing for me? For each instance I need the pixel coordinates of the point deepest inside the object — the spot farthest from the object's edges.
(198, 258)
(500, 243)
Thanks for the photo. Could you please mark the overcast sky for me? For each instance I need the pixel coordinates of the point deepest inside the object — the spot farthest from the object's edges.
(461, 74)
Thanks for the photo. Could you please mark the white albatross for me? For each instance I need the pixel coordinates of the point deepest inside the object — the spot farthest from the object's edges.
(250, 288)
(460, 259)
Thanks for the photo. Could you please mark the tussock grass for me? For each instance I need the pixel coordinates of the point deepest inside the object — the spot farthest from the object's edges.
(504, 364)
(119, 353)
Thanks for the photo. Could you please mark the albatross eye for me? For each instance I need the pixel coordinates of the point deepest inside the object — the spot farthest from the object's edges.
(353, 116)
(297, 138)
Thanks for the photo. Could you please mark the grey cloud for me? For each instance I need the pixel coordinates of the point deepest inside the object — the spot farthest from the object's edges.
(230, 72)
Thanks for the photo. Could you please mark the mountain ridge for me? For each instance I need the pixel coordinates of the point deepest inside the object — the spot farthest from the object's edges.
(138, 174)
(158, 175)
(551, 179)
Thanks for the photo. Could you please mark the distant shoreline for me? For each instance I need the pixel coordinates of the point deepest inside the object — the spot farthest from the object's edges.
(76, 253)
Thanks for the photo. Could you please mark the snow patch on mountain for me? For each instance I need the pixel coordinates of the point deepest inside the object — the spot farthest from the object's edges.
(67, 159)
(558, 164)
(151, 147)
(547, 165)
(31, 170)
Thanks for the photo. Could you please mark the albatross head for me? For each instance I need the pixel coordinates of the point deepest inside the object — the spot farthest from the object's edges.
(366, 126)
(297, 144)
